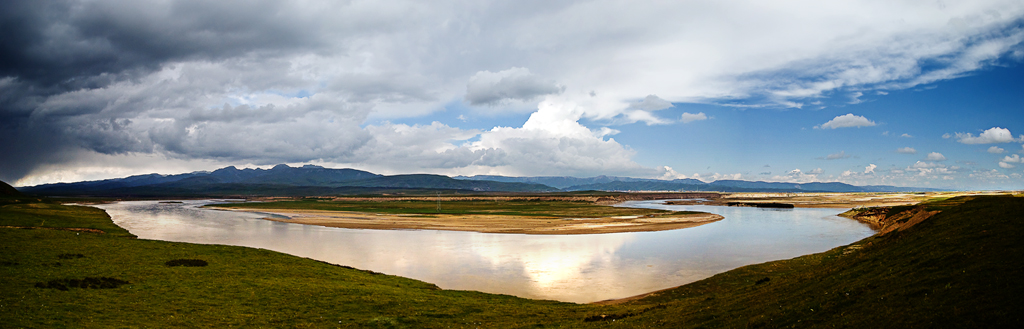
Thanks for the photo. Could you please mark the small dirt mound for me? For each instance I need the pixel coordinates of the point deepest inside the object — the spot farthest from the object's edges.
(187, 262)
(87, 283)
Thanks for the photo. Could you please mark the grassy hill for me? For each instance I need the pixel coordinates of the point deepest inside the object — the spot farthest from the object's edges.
(6, 190)
(958, 268)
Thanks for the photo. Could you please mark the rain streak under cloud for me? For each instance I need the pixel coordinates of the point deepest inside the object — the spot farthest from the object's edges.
(101, 89)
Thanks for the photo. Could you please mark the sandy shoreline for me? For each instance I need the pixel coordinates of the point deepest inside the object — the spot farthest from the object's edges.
(486, 223)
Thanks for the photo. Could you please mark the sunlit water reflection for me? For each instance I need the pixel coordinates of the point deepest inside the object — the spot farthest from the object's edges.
(575, 268)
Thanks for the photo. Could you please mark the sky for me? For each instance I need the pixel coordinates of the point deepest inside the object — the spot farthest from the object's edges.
(905, 93)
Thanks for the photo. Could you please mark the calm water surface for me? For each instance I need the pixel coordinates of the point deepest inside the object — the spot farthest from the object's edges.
(574, 268)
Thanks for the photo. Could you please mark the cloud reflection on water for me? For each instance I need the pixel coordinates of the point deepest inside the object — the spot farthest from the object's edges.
(576, 268)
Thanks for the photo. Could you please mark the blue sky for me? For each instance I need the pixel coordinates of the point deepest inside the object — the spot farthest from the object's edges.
(777, 141)
(766, 143)
(894, 93)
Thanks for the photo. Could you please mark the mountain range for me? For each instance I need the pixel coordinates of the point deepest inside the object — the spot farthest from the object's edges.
(282, 180)
(613, 183)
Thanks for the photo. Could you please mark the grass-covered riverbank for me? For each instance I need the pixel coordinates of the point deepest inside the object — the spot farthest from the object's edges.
(958, 268)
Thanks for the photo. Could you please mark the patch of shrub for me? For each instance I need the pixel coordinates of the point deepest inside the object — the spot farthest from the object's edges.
(87, 283)
(70, 256)
(187, 262)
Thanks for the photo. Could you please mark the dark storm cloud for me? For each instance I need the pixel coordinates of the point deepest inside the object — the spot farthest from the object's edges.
(78, 76)
(71, 43)
(51, 47)
(515, 84)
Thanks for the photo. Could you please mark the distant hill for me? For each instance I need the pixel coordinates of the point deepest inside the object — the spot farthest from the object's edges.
(612, 183)
(651, 185)
(308, 175)
(281, 180)
(736, 185)
(308, 180)
(790, 187)
(575, 183)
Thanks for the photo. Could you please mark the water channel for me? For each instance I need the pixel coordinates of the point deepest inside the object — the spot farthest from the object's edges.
(573, 268)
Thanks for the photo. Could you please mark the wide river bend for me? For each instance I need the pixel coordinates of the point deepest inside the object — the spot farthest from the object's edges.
(572, 268)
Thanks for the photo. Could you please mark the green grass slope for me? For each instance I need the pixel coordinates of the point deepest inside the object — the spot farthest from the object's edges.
(959, 268)
(6, 190)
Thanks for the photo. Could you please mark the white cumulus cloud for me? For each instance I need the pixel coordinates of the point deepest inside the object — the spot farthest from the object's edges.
(690, 117)
(906, 150)
(996, 150)
(991, 136)
(553, 142)
(935, 156)
(643, 110)
(922, 164)
(845, 121)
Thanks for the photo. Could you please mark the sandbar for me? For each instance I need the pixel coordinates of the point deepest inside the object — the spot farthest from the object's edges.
(486, 223)
(822, 200)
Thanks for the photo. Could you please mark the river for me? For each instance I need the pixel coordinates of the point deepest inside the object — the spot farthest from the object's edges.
(572, 268)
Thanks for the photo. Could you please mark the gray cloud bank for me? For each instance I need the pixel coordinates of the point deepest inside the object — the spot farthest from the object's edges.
(92, 83)
(515, 84)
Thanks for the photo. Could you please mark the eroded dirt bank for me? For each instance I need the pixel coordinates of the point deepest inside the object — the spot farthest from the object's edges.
(888, 219)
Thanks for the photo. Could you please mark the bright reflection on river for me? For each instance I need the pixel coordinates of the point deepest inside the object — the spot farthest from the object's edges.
(575, 268)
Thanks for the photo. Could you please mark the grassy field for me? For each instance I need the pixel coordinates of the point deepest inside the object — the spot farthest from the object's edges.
(959, 268)
(239, 286)
(553, 209)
